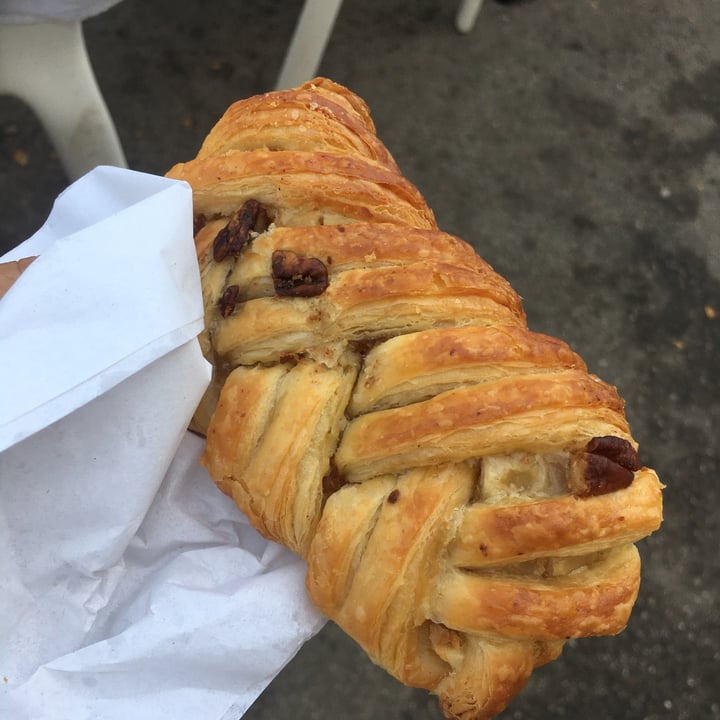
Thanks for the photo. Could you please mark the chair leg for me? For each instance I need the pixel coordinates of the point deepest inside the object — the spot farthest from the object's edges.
(47, 66)
(467, 15)
(308, 43)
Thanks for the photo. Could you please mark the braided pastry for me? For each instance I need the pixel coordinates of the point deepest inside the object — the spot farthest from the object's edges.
(465, 494)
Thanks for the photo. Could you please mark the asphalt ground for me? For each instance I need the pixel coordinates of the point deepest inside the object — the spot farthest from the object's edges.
(576, 145)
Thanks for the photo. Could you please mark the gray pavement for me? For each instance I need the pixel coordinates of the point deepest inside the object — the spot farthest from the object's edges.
(577, 146)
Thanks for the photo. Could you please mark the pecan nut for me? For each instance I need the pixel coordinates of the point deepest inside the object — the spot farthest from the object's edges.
(333, 480)
(297, 276)
(616, 449)
(199, 222)
(234, 236)
(605, 464)
(228, 300)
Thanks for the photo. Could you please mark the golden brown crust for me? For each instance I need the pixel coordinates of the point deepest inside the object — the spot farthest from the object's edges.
(318, 116)
(358, 305)
(360, 246)
(465, 493)
(537, 413)
(420, 365)
(486, 674)
(304, 188)
(271, 440)
(547, 603)
(492, 534)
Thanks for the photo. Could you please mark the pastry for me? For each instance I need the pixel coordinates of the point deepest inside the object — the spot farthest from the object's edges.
(466, 494)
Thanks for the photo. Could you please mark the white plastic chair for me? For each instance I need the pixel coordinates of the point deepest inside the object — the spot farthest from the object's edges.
(467, 15)
(309, 40)
(47, 66)
(45, 63)
(315, 26)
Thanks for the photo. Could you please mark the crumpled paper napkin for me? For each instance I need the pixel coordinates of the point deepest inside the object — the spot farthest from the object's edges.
(130, 587)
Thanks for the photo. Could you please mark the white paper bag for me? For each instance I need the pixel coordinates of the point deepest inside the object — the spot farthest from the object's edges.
(130, 587)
